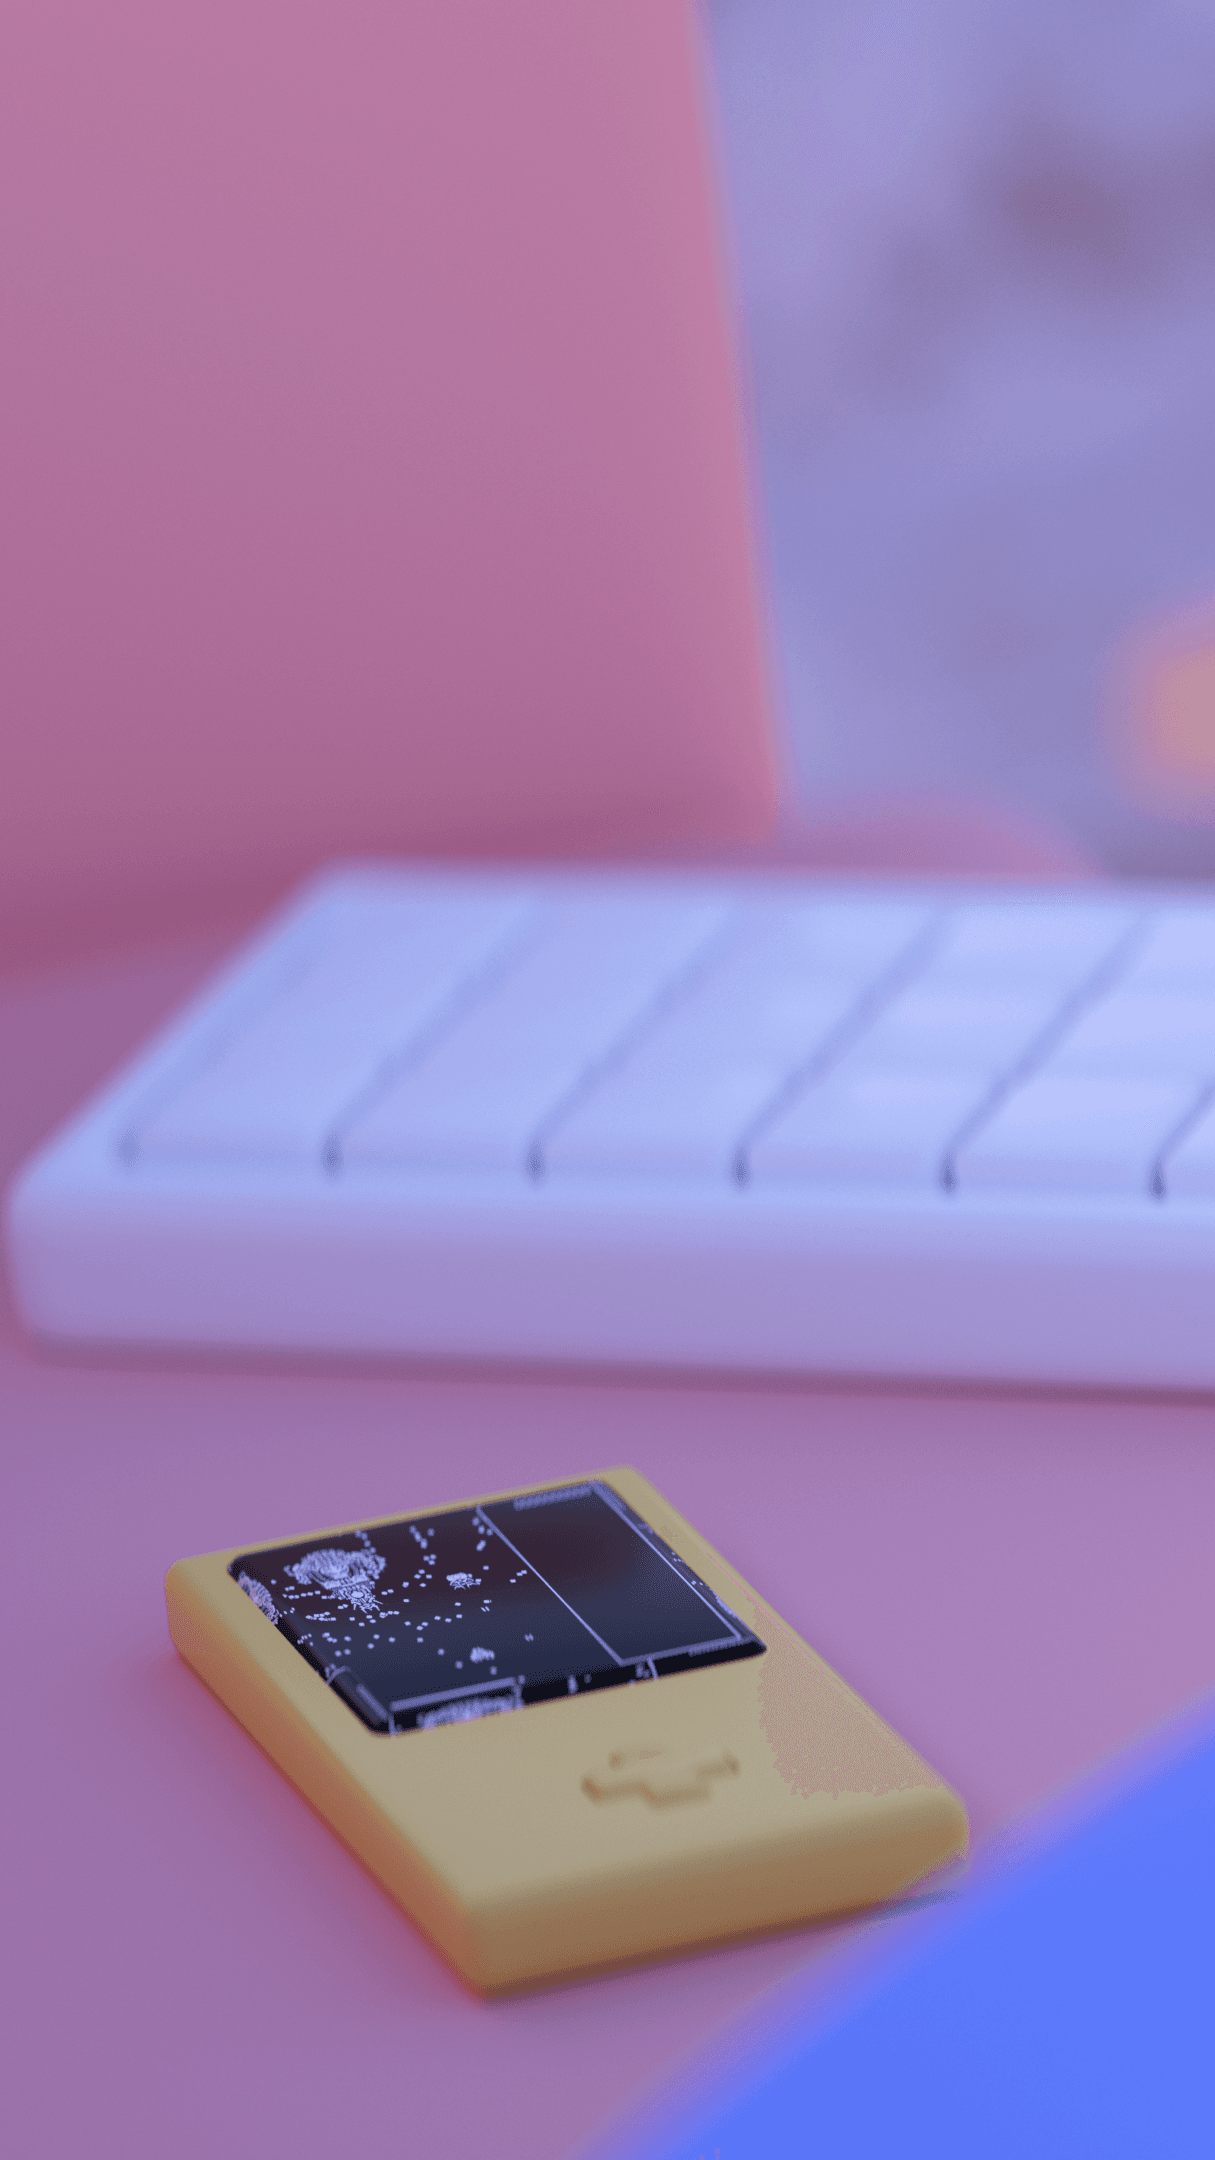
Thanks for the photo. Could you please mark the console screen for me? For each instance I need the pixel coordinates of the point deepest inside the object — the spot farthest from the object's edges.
(476, 1611)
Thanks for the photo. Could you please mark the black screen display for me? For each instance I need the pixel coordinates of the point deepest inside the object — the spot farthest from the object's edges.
(476, 1611)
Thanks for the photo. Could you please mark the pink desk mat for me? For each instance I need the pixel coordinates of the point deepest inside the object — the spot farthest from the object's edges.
(193, 1964)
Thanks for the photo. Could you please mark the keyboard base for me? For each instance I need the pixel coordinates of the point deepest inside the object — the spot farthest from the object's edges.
(929, 1287)
(253, 1180)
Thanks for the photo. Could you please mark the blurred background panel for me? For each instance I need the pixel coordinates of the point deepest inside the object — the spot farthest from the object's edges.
(976, 256)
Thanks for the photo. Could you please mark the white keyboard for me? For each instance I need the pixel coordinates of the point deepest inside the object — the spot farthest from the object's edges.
(766, 1124)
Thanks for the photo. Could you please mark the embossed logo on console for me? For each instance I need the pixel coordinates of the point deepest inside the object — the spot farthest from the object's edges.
(660, 1776)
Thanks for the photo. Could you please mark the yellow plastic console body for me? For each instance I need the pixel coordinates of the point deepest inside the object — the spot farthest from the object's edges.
(601, 1828)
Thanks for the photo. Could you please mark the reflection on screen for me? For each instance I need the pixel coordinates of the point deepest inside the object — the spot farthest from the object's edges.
(477, 1611)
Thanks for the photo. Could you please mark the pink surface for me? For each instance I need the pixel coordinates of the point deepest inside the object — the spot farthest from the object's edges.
(191, 1960)
(373, 471)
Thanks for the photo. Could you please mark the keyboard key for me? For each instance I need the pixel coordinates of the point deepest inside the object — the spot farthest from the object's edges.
(482, 1099)
(1037, 941)
(1083, 1132)
(839, 934)
(381, 978)
(864, 1126)
(951, 1026)
(788, 980)
(1188, 1168)
(1178, 951)
(1151, 1031)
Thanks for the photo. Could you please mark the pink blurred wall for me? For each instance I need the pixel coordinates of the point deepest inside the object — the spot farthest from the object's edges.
(370, 431)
